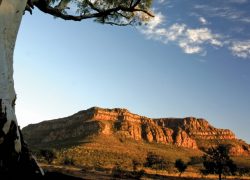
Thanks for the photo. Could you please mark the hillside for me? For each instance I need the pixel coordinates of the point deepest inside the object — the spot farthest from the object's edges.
(192, 133)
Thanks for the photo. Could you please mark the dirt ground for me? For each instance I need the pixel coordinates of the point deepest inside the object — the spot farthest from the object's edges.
(73, 173)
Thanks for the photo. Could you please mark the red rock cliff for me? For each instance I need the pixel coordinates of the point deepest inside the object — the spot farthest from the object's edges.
(187, 132)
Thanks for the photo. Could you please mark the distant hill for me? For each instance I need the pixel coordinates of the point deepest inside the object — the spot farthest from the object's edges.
(119, 125)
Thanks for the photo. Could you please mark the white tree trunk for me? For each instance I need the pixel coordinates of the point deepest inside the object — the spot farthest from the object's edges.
(11, 12)
(13, 152)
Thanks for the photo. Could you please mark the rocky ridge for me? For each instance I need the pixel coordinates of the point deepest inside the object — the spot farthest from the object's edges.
(186, 132)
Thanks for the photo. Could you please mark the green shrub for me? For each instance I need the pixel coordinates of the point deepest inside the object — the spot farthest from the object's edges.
(137, 174)
(243, 171)
(48, 155)
(118, 172)
(195, 160)
(180, 166)
(68, 160)
(136, 164)
(155, 161)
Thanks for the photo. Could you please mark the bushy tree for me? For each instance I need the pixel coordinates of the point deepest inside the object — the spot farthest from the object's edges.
(136, 164)
(244, 171)
(217, 161)
(67, 160)
(181, 166)
(155, 161)
(48, 155)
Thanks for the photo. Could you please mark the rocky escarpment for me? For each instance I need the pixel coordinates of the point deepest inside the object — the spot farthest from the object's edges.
(188, 132)
(196, 128)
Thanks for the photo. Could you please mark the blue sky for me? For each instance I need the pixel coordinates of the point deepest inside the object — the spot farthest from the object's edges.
(193, 59)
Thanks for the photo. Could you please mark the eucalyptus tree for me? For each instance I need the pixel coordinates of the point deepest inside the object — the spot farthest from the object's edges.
(217, 161)
(14, 154)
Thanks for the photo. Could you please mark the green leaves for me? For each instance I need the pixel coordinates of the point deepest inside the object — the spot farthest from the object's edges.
(115, 12)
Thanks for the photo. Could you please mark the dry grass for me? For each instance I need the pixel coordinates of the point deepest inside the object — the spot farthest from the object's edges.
(242, 161)
(97, 156)
(108, 151)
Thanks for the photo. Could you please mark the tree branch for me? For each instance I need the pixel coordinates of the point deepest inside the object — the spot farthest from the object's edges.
(45, 7)
(92, 6)
(136, 3)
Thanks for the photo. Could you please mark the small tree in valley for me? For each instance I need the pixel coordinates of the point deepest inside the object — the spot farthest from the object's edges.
(217, 161)
(155, 161)
(180, 165)
(48, 155)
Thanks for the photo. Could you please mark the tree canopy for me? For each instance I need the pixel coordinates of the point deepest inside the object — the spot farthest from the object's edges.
(114, 12)
(217, 161)
(180, 166)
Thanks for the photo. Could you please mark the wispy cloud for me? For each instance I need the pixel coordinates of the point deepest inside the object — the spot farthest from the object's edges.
(156, 21)
(239, 1)
(226, 12)
(161, 1)
(195, 38)
(241, 49)
(202, 20)
(189, 48)
(190, 40)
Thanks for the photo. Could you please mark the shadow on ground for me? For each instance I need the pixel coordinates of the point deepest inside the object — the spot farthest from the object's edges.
(56, 175)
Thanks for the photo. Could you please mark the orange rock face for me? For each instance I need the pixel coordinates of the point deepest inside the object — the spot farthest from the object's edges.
(187, 132)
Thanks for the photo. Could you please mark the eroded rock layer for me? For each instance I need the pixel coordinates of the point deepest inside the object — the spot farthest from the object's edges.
(186, 132)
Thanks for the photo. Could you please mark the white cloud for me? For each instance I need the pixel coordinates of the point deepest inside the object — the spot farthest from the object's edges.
(175, 31)
(227, 12)
(161, 1)
(156, 21)
(189, 48)
(203, 21)
(194, 40)
(241, 49)
(238, 1)
(191, 41)
(246, 19)
(203, 35)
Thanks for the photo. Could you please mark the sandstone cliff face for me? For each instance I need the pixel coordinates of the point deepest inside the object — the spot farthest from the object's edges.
(196, 128)
(188, 132)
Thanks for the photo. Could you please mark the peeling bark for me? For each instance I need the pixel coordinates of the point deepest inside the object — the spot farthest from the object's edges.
(15, 158)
